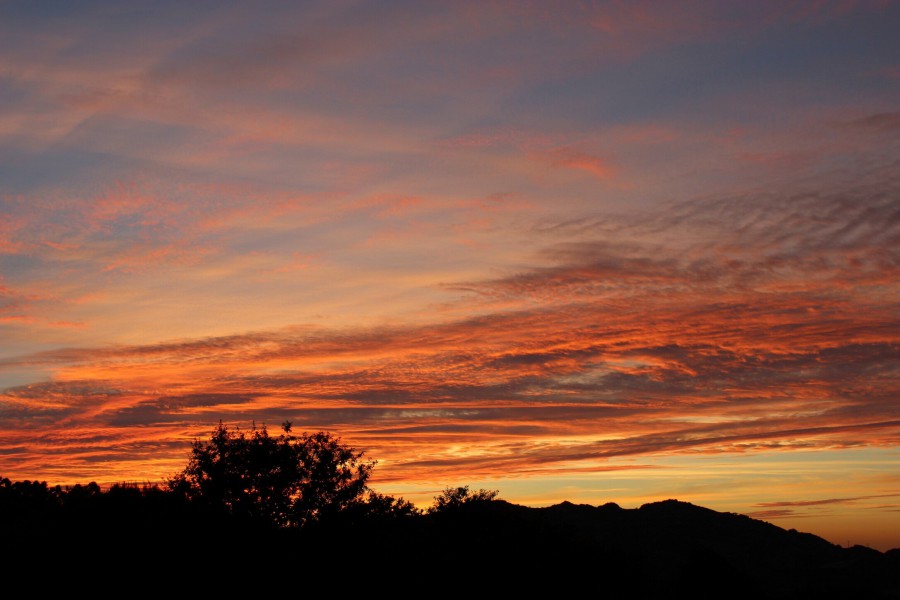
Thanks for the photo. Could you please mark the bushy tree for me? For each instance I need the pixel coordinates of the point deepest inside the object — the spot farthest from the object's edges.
(285, 481)
(382, 506)
(452, 499)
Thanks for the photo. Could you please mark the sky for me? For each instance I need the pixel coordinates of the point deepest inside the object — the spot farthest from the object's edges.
(586, 251)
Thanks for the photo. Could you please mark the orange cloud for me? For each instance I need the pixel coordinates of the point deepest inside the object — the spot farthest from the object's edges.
(571, 158)
(16, 319)
(737, 343)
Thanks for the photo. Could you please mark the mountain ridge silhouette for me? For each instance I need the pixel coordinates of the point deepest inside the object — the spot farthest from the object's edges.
(667, 548)
(664, 549)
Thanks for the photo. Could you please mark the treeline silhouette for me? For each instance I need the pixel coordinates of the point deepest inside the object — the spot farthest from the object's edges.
(253, 511)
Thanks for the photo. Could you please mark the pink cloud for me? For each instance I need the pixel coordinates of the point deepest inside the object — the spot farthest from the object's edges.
(571, 158)
(597, 167)
(138, 257)
(387, 206)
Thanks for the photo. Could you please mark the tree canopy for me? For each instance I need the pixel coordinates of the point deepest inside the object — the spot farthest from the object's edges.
(454, 499)
(286, 480)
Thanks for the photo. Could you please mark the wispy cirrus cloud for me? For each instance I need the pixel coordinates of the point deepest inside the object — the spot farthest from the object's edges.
(826, 501)
(768, 374)
(571, 158)
(880, 122)
(805, 509)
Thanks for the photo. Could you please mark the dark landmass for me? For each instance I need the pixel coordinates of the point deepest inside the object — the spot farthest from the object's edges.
(151, 539)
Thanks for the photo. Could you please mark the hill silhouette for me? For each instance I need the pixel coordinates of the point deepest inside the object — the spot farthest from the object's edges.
(662, 549)
(667, 549)
(253, 512)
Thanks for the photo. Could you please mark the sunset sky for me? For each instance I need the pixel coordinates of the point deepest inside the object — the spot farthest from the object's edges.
(586, 251)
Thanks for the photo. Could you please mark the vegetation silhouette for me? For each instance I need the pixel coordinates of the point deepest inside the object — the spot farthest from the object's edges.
(249, 505)
(453, 500)
(280, 481)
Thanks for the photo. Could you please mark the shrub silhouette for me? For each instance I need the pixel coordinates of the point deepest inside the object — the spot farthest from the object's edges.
(283, 481)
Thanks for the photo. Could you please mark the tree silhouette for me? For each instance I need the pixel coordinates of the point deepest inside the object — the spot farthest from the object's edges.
(283, 481)
(453, 499)
(385, 508)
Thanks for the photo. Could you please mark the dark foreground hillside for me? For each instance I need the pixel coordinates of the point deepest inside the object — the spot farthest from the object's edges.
(670, 549)
(664, 549)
